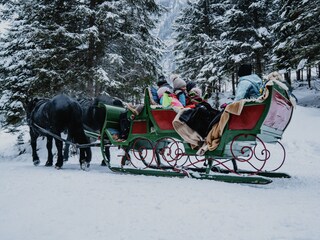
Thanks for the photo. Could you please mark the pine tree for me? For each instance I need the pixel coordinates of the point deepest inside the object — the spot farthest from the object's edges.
(72, 45)
(284, 35)
(198, 44)
(211, 71)
(45, 45)
(297, 34)
(133, 53)
(192, 28)
(247, 37)
(197, 39)
(16, 74)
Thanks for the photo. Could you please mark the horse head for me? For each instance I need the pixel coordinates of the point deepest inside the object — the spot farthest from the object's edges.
(98, 114)
(30, 105)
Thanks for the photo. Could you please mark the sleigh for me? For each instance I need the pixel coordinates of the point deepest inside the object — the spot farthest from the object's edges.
(248, 149)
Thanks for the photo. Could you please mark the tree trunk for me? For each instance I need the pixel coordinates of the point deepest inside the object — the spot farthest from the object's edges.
(216, 105)
(258, 65)
(309, 76)
(287, 77)
(319, 70)
(233, 84)
(298, 74)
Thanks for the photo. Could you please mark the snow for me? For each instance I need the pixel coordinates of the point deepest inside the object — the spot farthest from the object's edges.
(310, 97)
(39, 203)
(302, 64)
(3, 25)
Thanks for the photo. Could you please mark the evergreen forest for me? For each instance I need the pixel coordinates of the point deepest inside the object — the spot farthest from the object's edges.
(87, 47)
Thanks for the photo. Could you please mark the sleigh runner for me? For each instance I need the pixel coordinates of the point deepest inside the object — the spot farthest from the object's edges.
(244, 145)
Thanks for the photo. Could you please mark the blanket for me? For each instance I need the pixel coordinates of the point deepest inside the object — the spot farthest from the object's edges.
(187, 133)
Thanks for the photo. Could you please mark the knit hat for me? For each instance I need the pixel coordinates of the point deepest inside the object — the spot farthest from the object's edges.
(195, 92)
(161, 78)
(161, 81)
(178, 82)
(162, 90)
(190, 85)
(245, 70)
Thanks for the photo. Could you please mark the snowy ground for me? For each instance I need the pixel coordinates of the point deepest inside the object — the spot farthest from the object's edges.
(40, 203)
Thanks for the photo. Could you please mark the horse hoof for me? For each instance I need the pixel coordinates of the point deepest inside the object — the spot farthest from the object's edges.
(48, 164)
(85, 166)
(36, 162)
(103, 163)
(57, 167)
(125, 161)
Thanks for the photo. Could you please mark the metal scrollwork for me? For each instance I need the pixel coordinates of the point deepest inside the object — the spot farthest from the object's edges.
(256, 153)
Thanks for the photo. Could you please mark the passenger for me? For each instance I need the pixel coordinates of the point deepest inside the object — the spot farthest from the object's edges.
(249, 85)
(194, 97)
(190, 85)
(163, 87)
(161, 83)
(179, 89)
(154, 94)
(194, 94)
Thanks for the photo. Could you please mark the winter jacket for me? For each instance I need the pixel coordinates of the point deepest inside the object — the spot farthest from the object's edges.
(155, 94)
(170, 100)
(181, 95)
(248, 87)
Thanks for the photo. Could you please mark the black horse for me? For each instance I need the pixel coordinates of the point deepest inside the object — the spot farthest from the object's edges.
(93, 117)
(51, 117)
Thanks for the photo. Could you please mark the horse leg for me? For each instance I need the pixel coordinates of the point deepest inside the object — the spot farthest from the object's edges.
(126, 159)
(85, 153)
(66, 149)
(59, 146)
(66, 152)
(50, 155)
(85, 157)
(107, 152)
(35, 157)
(79, 137)
(88, 154)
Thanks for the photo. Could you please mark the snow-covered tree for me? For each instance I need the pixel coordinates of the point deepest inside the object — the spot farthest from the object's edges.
(247, 37)
(198, 43)
(132, 52)
(197, 39)
(16, 73)
(211, 70)
(81, 47)
(190, 26)
(297, 35)
(215, 37)
(39, 51)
